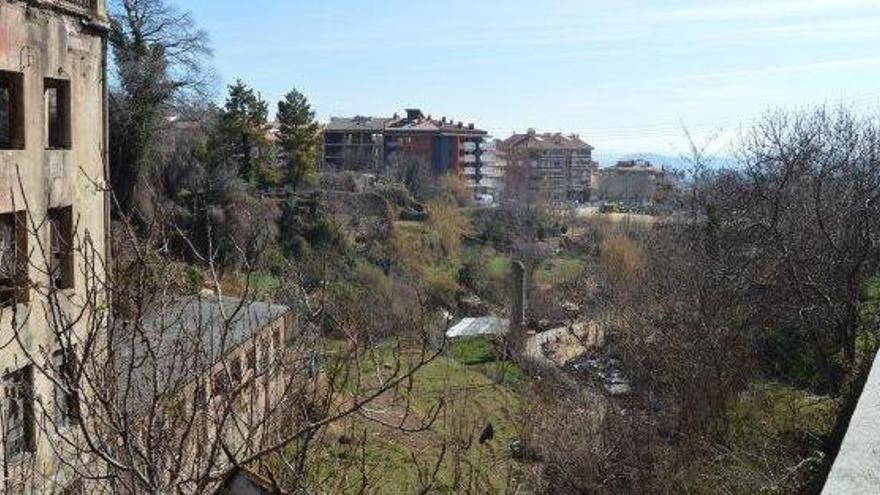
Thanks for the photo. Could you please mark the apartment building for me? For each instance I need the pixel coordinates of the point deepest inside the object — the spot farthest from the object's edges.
(548, 166)
(373, 143)
(53, 200)
(489, 180)
(632, 182)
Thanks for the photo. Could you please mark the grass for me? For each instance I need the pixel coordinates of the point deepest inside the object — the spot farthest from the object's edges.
(398, 462)
(498, 267)
(471, 351)
(481, 354)
(773, 429)
(557, 271)
(263, 284)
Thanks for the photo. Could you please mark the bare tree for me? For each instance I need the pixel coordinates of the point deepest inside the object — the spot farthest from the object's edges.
(804, 213)
(158, 57)
(161, 388)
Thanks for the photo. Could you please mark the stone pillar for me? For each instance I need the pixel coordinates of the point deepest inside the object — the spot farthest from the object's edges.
(518, 301)
(519, 295)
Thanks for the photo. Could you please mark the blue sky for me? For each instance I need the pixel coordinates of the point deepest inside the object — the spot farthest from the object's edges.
(624, 74)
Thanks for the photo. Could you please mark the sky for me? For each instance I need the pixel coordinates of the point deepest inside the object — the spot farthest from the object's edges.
(626, 75)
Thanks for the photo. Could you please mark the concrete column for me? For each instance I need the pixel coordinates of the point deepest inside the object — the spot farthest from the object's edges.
(519, 295)
(516, 334)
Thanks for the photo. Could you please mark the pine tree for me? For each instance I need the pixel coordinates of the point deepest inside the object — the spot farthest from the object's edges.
(298, 137)
(243, 130)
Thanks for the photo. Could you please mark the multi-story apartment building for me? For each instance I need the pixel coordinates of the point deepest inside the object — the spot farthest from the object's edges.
(634, 182)
(549, 167)
(53, 181)
(489, 183)
(371, 143)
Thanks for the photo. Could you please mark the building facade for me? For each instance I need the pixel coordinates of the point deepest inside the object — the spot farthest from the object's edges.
(632, 182)
(53, 182)
(549, 167)
(490, 186)
(373, 144)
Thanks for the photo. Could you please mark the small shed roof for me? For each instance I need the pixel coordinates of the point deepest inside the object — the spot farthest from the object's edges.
(476, 327)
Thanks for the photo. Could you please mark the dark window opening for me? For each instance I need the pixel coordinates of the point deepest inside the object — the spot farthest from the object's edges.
(252, 359)
(265, 354)
(11, 111)
(13, 258)
(57, 93)
(235, 370)
(61, 245)
(75, 488)
(221, 383)
(201, 397)
(67, 410)
(19, 412)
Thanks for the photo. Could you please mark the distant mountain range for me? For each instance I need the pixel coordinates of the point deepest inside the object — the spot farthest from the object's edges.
(672, 162)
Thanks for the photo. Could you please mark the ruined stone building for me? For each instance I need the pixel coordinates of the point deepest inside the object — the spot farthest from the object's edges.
(208, 353)
(548, 167)
(374, 143)
(52, 198)
(632, 182)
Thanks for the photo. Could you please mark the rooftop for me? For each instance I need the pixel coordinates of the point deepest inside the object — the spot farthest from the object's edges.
(635, 166)
(188, 334)
(413, 122)
(359, 123)
(534, 140)
(476, 327)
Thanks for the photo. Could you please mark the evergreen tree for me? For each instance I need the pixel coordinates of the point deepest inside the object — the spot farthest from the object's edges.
(159, 58)
(242, 133)
(298, 137)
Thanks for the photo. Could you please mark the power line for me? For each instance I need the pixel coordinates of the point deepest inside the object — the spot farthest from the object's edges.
(859, 102)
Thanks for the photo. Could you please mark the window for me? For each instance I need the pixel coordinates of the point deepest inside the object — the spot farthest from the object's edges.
(61, 245)
(221, 383)
(66, 397)
(276, 339)
(265, 354)
(235, 370)
(252, 359)
(289, 323)
(200, 397)
(19, 412)
(75, 488)
(11, 111)
(57, 95)
(13, 258)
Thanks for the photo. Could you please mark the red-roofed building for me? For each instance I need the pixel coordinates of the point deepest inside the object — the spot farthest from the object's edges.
(552, 167)
(371, 143)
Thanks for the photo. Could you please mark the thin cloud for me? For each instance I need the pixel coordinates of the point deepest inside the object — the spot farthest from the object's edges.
(759, 10)
(784, 69)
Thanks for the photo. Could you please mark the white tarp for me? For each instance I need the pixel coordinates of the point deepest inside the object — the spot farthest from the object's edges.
(476, 327)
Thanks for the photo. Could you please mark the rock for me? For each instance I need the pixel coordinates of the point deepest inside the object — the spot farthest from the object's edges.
(521, 452)
(571, 308)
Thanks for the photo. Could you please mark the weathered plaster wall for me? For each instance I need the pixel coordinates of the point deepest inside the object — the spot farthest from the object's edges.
(41, 43)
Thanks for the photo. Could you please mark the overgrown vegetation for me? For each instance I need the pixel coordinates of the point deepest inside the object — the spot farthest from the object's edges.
(744, 324)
